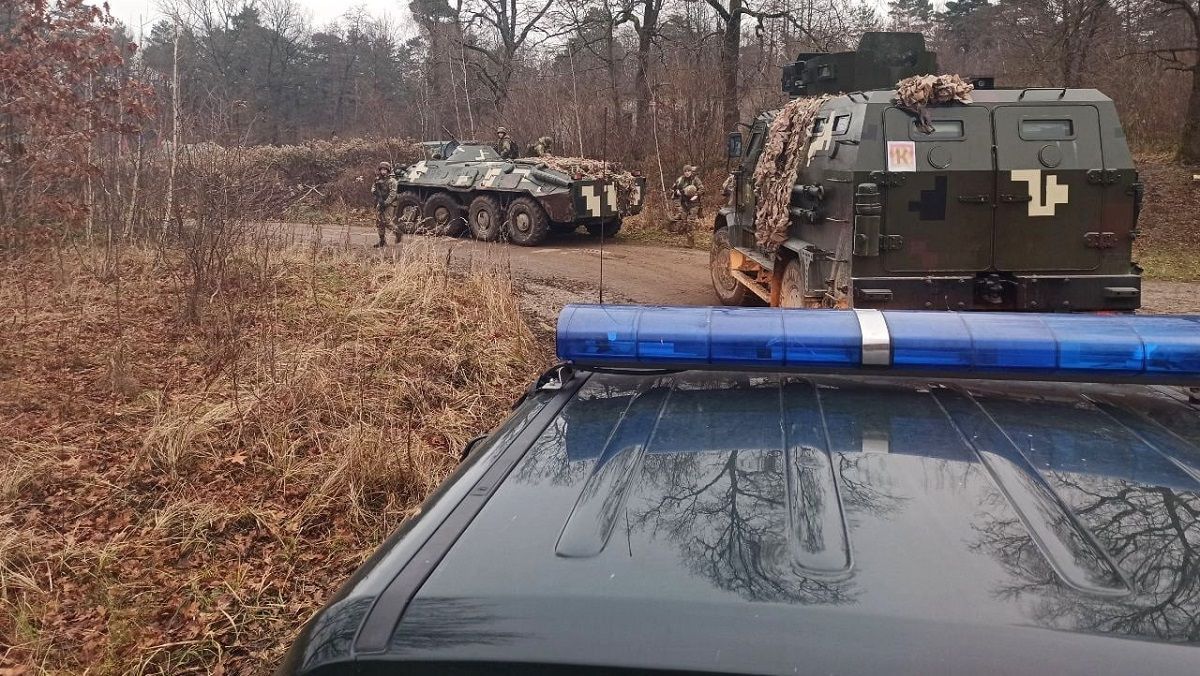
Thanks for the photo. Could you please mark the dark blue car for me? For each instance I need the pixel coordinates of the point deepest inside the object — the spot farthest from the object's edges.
(808, 492)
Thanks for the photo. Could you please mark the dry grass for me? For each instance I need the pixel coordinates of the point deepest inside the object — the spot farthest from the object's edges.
(1170, 220)
(651, 227)
(179, 497)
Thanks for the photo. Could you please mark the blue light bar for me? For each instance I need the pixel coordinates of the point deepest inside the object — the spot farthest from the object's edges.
(1119, 348)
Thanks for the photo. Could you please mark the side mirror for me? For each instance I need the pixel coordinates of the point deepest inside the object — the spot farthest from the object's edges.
(734, 145)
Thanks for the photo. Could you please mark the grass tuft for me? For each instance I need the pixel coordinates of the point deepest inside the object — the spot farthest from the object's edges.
(178, 496)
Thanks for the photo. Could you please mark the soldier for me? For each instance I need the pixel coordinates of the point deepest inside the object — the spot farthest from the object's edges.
(543, 147)
(687, 189)
(728, 188)
(505, 145)
(384, 190)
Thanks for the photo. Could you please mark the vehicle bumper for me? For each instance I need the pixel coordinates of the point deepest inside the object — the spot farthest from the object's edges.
(1035, 293)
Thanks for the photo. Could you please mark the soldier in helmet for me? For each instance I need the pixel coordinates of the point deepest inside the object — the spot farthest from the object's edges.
(384, 190)
(687, 189)
(543, 148)
(505, 146)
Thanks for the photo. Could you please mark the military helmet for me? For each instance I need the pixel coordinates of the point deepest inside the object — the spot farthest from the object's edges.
(689, 167)
(385, 165)
(501, 130)
(689, 191)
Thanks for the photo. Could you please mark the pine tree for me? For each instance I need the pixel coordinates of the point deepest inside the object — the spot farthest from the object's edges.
(910, 15)
(960, 23)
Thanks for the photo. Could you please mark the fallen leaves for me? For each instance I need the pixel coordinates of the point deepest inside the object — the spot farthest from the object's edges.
(111, 562)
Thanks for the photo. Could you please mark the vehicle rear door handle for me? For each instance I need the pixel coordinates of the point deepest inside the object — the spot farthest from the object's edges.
(975, 199)
(1016, 198)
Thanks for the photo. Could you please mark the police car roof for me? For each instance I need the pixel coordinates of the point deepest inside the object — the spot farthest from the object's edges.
(783, 523)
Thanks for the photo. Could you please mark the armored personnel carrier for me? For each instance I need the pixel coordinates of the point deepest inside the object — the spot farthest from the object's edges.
(463, 187)
(1023, 199)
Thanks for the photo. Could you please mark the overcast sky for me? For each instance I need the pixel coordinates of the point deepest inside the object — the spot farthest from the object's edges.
(135, 12)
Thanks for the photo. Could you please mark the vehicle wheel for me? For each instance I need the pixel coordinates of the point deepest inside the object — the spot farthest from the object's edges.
(609, 228)
(444, 215)
(486, 218)
(794, 285)
(729, 290)
(528, 224)
(408, 212)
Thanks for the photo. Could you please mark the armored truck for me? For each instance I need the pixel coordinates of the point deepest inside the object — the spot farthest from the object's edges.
(462, 187)
(1024, 199)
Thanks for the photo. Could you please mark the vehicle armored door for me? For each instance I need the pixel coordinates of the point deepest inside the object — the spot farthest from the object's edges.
(1046, 207)
(939, 190)
(746, 203)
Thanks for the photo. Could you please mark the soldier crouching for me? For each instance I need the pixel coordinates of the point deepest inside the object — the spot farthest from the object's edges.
(385, 192)
(687, 190)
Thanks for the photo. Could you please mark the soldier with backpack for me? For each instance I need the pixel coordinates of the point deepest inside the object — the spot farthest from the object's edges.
(687, 189)
(384, 190)
(505, 146)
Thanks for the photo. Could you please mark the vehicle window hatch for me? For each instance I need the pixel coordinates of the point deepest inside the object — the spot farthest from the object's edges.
(1047, 130)
(942, 130)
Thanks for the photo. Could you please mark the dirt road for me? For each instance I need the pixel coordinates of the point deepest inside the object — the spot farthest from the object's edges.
(567, 269)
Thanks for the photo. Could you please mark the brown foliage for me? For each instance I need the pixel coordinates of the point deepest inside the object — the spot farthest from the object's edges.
(61, 88)
(917, 93)
(179, 498)
(782, 156)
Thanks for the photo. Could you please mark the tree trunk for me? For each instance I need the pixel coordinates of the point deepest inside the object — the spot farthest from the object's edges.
(731, 44)
(614, 76)
(1189, 142)
(641, 79)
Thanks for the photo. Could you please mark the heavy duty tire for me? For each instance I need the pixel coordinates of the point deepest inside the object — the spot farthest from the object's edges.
(486, 218)
(793, 285)
(444, 215)
(610, 228)
(729, 290)
(409, 206)
(528, 224)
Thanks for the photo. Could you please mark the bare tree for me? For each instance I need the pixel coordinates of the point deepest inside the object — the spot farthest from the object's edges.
(508, 27)
(644, 15)
(1058, 37)
(1185, 57)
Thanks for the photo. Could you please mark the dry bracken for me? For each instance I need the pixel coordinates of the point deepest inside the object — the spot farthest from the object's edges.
(188, 515)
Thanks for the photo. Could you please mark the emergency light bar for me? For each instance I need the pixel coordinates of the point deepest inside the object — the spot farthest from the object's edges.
(1162, 349)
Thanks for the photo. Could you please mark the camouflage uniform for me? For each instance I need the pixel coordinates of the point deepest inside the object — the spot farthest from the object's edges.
(505, 146)
(543, 147)
(728, 188)
(687, 189)
(384, 191)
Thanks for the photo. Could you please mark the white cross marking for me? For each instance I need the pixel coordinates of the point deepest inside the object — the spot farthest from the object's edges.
(490, 179)
(592, 197)
(821, 142)
(1039, 204)
(417, 171)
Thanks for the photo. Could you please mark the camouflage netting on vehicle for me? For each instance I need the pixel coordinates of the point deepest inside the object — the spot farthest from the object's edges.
(597, 170)
(785, 151)
(916, 93)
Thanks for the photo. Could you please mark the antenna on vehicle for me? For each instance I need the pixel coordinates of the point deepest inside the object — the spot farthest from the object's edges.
(604, 176)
